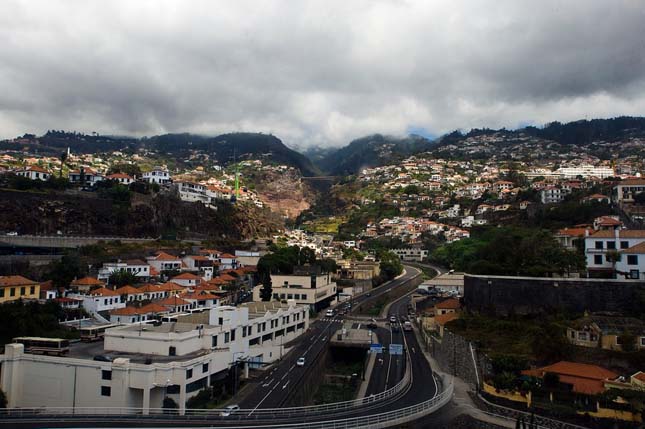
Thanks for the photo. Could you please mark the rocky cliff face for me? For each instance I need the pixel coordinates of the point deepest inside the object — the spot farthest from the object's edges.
(83, 213)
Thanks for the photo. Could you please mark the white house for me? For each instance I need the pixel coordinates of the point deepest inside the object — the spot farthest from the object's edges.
(318, 291)
(159, 175)
(162, 261)
(188, 280)
(627, 242)
(89, 177)
(34, 172)
(626, 190)
(552, 195)
(122, 178)
(98, 300)
(135, 266)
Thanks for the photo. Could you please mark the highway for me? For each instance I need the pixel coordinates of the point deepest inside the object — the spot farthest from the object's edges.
(275, 387)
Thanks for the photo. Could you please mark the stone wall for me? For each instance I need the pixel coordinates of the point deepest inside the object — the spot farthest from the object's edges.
(453, 354)
(502, 296)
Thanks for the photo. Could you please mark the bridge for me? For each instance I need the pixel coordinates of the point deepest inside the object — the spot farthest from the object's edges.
(62, 241)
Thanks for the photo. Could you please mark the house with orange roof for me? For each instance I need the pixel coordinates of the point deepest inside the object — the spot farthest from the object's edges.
(163, 261)
(582, 378)
(134, 314)
(129, 293)
(13, 288)
(607, 223)
(48, 290)
(85, 284)
(34, 172)
(187, 280)
(201, 265)
(122, 178)
(571, 238)
(202, 299)
(85, 176)
(99, 300)
(450, 305)
(227, 261)
(627, 242)
(152, 292)
(175, 304)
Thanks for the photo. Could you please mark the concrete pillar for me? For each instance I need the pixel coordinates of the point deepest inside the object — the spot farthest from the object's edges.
(182, 399)
(146, 401)
(246, 370)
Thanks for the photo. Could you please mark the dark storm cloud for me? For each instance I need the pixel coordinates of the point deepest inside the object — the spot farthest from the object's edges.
(315, 72)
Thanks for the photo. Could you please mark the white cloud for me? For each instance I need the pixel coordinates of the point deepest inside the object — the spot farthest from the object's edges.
(315, 72)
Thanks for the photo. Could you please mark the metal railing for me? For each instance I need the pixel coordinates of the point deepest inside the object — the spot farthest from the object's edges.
(380, 420)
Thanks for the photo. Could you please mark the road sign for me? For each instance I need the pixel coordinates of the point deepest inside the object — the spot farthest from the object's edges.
(376, 348)
(396, 349)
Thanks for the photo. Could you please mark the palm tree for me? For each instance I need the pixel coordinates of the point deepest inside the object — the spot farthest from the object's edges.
(63, 158)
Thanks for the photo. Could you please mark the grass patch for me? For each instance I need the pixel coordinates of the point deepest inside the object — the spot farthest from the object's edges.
(329, 393)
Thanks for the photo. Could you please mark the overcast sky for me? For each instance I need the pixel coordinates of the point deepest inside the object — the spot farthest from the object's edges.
(319, 72)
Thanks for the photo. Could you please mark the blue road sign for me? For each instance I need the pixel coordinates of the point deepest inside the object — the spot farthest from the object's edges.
(376, 348)
(396, 349)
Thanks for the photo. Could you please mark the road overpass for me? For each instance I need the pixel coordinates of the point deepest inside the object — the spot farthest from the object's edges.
(424, 392)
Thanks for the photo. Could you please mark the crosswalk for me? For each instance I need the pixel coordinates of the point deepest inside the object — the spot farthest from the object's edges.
(331, 319)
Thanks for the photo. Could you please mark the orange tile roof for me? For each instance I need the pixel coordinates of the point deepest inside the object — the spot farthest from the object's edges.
(146, 309)
(449, 304)
(227, 256)
(102, 292)
(15, 281)
(186, 276)
(128, 290)
(606, 220)
(198, 257)
(163, 256)
(149, 288)
(638, 248)
(215, 281)
(119, 176)
(639, 376)
(442, 319)
(623, 233)
(584, 378)
(172, 300)
(574, 232)
(87, 281)
(227, 277)
(207, 287)
(170, 286)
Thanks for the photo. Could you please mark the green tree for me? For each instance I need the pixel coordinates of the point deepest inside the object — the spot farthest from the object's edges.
(614, 257)
(68, 268)
(266, 293)
(63, 159)
(390, 265)
(122, 277)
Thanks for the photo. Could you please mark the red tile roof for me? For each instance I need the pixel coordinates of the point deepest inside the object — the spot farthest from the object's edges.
(15, 281)
(128, 290)
(584, 378)
(86, 281)
(449, 304)
(186, 276)
(442, 319)
(163, 256)
(623, 233)
(102, 292)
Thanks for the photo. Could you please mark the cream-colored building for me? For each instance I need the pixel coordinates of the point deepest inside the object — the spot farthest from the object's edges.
(13, 288)
(148, 362)
(317, 291)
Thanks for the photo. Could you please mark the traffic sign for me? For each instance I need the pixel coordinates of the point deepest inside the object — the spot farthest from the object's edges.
(376, 348)
(396, 349)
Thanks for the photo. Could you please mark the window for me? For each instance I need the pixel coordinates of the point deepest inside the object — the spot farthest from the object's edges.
(106, 391)
(106, 375)
(643, 341)
(611, 245)
(227, 337)
(189, 373)
(233, 334)
(12, 291)
(597, 259)
(172, 351)
(598, 244)
(624, 244)
(634, 274)
(2, 293)
(32, 290)
(582, 336)
(205, 367)
(214, 343)
(632, 259)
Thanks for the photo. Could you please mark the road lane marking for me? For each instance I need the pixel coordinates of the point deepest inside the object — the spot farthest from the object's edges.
(286, 384)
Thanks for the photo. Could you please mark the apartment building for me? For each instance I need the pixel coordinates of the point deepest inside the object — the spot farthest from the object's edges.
(315, 290)
(148, 362)
(13, 288)
(626, 190)
(628, 243)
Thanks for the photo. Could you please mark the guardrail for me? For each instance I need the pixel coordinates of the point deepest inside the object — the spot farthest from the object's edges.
(380, 420)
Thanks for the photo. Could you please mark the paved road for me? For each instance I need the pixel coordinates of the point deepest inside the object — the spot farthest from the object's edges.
(422, 387)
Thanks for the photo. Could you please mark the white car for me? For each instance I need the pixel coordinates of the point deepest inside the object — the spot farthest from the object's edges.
(330, 313)
(300, 361)
(229, 410)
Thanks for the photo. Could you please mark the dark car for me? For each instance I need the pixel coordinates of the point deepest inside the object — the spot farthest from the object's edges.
(372, 326)
(103, 358)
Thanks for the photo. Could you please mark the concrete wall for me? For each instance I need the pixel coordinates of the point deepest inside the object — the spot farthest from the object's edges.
(501, 296)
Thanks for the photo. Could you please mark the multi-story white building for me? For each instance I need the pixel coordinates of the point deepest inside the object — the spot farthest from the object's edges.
(162, 261)
(158, 175)
(411, 254)
(629, 243)
(626, 190)
(136, 267)
(552, 194)
(317, 291)
(152, 361)
(586, 170)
